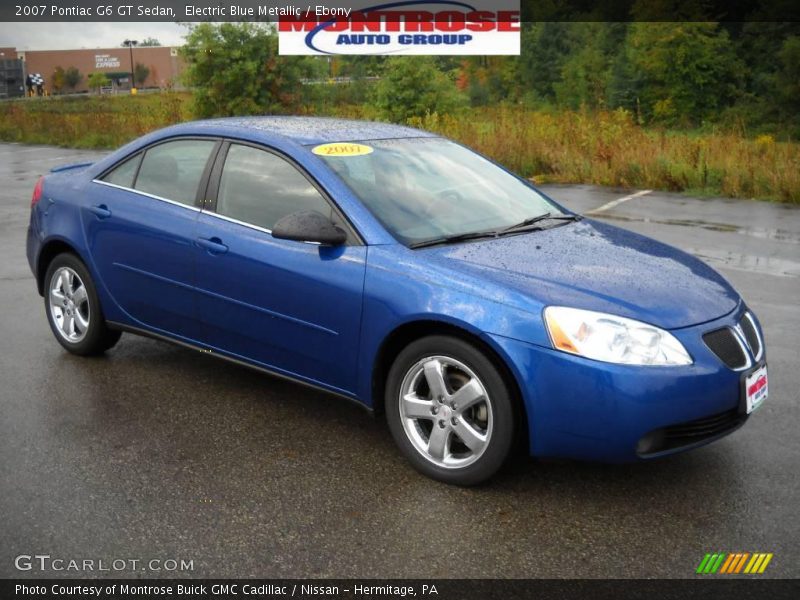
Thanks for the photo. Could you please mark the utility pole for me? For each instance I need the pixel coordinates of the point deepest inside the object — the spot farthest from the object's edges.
(130, 44)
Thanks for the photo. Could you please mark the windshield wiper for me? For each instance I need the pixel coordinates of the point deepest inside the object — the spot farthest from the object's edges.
(474, 235)
(452, 239)
(523, 225)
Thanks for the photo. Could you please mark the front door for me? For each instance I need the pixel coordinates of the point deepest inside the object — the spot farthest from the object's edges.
(291, 306)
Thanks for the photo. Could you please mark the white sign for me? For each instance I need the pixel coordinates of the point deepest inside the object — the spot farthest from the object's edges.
(106, 61)
(446, 27)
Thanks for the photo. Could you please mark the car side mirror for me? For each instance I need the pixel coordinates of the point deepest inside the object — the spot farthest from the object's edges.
(309, 226)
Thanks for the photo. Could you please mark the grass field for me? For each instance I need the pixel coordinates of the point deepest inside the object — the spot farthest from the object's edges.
(90, 121)
(604, 148)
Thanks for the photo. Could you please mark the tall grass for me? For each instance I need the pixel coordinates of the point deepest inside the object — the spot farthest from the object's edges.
(90, 121)
(603, 148)
(608, 148)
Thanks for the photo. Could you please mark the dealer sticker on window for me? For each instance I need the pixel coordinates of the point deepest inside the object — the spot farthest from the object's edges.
(342, 149)
(755, 388)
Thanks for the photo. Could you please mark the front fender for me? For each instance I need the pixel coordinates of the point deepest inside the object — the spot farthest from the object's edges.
(401, 287)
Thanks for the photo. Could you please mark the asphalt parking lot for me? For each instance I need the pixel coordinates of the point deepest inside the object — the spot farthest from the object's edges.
(157, 452)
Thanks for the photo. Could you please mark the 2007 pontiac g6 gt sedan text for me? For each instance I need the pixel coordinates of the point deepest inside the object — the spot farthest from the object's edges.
(406, 272)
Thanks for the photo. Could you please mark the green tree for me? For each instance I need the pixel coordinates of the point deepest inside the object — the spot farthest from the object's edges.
(787, 79)
(140, 73)
(688, 70)
(414, 86)
(625, 82)
(585, 72)
(490, 79)
(235, 70)
(357, 91)
(545, 47)
(583, 80)
(98, 80)
(149, 41)
(58, 79)
(360, 66)
(72, 77)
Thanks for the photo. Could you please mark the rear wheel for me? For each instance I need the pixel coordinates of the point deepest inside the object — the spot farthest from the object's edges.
(450, 410)
(73, 309)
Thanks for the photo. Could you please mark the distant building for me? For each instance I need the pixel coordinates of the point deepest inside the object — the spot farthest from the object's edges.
(163, 63)
(12, 74)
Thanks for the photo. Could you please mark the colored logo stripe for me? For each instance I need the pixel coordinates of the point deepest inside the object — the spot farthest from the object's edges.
(703, 563)
(710, 563)
(758, 563)
(727, 564)
(732, 563)
(743, 557)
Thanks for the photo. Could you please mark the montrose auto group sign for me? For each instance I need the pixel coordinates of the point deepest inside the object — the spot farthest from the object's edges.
(409, 27)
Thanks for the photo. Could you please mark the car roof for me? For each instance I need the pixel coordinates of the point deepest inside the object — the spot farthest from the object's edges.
(301, 130)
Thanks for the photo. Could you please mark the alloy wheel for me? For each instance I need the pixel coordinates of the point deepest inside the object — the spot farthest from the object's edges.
(446, 412)
(69, 305)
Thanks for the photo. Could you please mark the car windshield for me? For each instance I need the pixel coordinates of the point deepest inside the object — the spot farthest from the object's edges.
(430, 188)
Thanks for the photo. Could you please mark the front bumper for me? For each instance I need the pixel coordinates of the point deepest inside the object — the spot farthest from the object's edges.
(585, 409)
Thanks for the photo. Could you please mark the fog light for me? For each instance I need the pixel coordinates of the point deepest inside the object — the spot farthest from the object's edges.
(650, 443)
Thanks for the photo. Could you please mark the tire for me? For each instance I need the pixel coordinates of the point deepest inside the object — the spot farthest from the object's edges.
(462, 444)
(73, 308)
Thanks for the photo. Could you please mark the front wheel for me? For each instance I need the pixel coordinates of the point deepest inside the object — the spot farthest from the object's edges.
(450, 410)
(73, 308)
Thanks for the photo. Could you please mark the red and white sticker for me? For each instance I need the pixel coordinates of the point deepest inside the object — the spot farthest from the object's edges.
(755, 387)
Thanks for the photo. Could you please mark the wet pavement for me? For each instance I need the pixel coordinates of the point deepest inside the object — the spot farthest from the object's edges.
(157, 452)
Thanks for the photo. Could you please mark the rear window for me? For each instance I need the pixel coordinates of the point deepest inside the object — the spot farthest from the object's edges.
(124, 173)
(173, 170)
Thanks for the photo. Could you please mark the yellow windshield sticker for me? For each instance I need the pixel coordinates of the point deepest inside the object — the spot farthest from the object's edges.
(342, 149)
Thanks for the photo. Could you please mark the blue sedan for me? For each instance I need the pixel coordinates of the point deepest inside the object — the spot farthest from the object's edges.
(407, 273)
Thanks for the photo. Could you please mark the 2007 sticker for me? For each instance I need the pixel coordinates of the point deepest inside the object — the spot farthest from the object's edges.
(342, 149)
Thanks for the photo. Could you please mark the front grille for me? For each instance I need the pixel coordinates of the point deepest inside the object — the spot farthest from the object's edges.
(724, 344)
(749, 330)
(690, 432)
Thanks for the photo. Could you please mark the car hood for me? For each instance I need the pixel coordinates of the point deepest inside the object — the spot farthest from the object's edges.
(595, 266)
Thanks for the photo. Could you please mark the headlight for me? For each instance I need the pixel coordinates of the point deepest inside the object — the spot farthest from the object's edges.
(612, 339)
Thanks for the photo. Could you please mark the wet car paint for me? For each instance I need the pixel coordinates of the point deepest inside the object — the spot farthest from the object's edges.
(491, 289)
(600, 267)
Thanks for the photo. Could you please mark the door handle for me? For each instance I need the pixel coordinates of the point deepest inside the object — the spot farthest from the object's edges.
(101, 211)
(214, 245)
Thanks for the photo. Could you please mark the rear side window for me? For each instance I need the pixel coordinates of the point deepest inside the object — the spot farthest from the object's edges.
(260, 188)
(173, 170)
(123, 174)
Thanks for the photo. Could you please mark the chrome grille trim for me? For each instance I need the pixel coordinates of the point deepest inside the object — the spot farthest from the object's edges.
(739, 335)
(757, 356)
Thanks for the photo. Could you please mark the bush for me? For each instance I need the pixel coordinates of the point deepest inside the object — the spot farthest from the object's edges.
(98, 80)
(413, 87)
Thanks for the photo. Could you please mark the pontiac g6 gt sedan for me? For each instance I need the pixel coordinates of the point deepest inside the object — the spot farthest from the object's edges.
(404, 271)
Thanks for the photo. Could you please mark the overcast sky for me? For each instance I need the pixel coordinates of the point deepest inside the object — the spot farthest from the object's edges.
(65, 36)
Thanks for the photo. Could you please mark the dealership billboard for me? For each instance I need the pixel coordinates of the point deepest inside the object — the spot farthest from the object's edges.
(446, 27)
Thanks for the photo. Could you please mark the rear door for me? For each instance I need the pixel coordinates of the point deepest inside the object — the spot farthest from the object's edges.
(292, 306)
(140, 226)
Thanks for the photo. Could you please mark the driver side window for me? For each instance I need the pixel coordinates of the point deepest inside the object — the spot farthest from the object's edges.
(260, 188)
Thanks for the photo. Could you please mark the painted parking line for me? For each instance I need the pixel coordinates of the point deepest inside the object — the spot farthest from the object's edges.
(618, 201)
